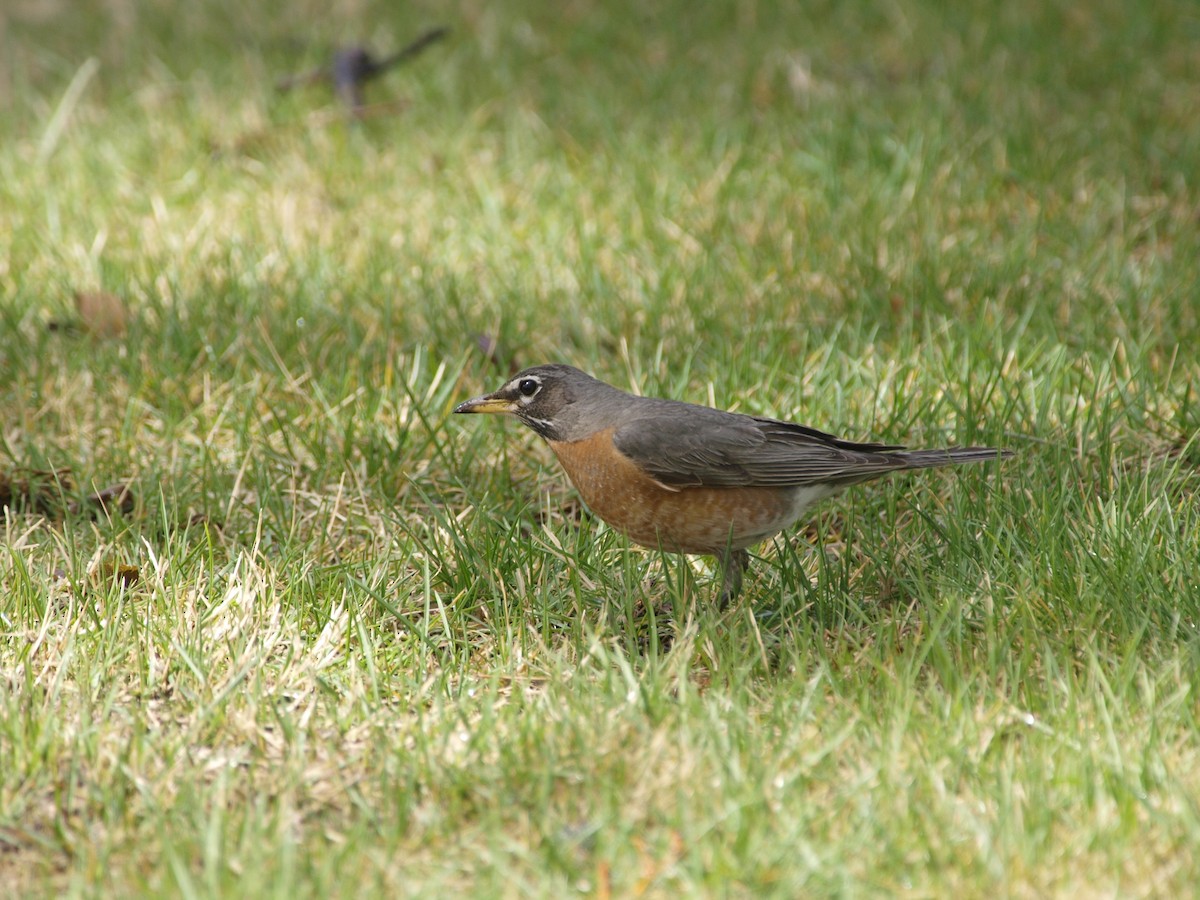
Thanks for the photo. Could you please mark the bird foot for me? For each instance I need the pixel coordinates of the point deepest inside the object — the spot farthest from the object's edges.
(735, 563)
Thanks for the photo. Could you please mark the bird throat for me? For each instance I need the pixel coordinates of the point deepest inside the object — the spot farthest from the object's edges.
(543, 427)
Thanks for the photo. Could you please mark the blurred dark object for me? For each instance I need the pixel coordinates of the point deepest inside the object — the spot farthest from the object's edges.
(489, 345)
(38, 491)
(118, 496)
(353, 67)
(110, 572)
(101, 314)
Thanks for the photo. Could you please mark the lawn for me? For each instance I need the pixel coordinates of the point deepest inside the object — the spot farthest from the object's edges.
(275, 622)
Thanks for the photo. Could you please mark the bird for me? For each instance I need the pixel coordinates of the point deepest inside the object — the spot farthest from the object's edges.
(692, 479)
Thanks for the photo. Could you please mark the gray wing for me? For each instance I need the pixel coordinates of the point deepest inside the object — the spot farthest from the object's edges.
(701, 446)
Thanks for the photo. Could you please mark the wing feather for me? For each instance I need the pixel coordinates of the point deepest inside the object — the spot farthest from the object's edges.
(696, 446)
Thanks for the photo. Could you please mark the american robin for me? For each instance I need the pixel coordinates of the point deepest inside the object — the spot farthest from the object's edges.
(692, 479)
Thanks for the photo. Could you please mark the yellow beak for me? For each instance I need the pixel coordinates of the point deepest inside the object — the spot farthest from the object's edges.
(488, 403)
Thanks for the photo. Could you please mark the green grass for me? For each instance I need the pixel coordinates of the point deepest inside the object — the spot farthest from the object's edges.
(371, 647)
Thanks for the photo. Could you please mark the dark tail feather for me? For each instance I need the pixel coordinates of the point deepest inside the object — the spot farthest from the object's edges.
(950, 456)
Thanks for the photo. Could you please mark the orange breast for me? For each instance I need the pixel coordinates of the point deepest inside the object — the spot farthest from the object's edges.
(687, 520)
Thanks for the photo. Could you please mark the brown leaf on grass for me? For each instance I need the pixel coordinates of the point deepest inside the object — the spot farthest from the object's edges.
(102, 314)
(34, 490)
(41, 491)
(201, 520)
(110, 571)
(117, 496)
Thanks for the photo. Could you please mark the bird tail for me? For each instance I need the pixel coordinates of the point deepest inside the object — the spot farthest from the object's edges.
(950, 456)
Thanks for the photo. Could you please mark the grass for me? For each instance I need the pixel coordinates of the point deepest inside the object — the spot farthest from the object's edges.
(336, 641)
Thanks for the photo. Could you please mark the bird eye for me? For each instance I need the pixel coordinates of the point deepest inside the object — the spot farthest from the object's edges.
(528, 386)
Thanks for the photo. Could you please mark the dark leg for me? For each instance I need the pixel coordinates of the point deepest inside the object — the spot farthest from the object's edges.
(735, 562)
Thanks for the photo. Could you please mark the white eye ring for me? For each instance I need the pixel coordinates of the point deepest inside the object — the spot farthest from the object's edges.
(527, 387)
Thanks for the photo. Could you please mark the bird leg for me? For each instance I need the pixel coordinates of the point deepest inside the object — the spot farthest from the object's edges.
(734, 562)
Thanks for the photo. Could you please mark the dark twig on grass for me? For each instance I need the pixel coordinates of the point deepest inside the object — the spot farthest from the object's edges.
(354, 66)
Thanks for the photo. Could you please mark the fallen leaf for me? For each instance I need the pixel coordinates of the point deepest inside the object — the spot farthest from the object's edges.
(116, 496)
(109, 571)
(34, 490)
(102, 314)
